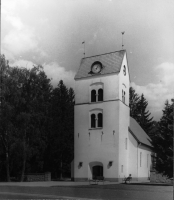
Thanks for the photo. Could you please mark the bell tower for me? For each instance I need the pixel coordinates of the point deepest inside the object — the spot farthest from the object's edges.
(102, 117)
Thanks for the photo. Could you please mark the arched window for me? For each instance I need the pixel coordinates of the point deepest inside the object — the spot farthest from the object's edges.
(93, 121)
(147, 160)
(140, 159)
(100, 94)
(124, 70)
(123, 96)
(96, 92)
(100, 120)
(126, 143)
(93, 96)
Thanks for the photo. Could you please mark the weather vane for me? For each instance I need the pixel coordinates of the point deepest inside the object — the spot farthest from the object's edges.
(84, 48)
(122, 38)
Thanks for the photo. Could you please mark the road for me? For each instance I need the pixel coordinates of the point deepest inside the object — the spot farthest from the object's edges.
(110, 192)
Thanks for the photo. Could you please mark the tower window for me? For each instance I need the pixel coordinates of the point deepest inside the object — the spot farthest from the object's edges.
(100, 120)
(93, 96)
(96, 92)
(140, 158)
(100, 94)
(93, 121)
(147, 160)
(124, 70)
(123, 96)
(96, 118)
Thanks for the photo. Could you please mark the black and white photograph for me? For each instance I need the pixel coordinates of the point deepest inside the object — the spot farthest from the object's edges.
(87, 99)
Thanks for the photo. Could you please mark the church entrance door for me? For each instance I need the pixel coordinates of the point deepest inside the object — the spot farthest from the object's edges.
(97, 171)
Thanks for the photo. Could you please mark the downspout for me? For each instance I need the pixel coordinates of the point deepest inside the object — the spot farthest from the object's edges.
(138, 145)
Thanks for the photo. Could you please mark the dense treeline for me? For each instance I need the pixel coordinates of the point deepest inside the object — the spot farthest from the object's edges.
(162, 140)
(161, 133)
(138, 110)
(36, 123)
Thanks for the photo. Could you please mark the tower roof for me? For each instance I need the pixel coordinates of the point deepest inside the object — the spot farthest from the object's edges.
(138, 133)
(111, 63)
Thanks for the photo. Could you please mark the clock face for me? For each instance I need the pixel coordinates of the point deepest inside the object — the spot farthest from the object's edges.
(96, 68)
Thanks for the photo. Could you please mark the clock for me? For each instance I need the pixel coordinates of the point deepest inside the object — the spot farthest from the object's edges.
(96, 68)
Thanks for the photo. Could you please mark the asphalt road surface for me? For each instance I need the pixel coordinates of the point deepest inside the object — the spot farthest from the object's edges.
(110, 192)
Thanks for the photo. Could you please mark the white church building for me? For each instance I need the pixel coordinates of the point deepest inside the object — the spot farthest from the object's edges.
(107, 141)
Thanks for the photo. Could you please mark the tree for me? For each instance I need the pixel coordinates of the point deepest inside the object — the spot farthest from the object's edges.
(7, 88)
(134, 99)
(61, 138)
(138, 110)
(144, 115)
(163, 141)
(36, 123)
(32, 115)
(25, 102)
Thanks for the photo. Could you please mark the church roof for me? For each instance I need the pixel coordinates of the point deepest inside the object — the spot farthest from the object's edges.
(138, 133)
(111, 63)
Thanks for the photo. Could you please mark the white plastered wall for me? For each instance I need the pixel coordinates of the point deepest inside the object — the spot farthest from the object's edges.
(133, 157)
(92, 145)
(144, 169)
(123, 134)
(96, 145)
(124, 81)
(124, 120)
(110, 86)
(141, 173)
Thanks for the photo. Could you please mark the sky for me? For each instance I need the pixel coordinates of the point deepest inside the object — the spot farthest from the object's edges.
(51, 32)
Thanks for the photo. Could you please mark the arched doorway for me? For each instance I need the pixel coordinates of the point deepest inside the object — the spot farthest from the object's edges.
(95, 169)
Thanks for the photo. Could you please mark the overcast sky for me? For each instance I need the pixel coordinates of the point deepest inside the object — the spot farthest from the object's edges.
(51, 32)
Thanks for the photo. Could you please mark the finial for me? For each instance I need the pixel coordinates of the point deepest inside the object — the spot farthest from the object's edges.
(122, 38)
(84, 48)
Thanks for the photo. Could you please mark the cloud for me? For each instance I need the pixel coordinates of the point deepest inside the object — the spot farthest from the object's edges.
(52, 70)
(157, 93)
(22, 63)
(94, 38)
(18, 38)
(57, 73)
